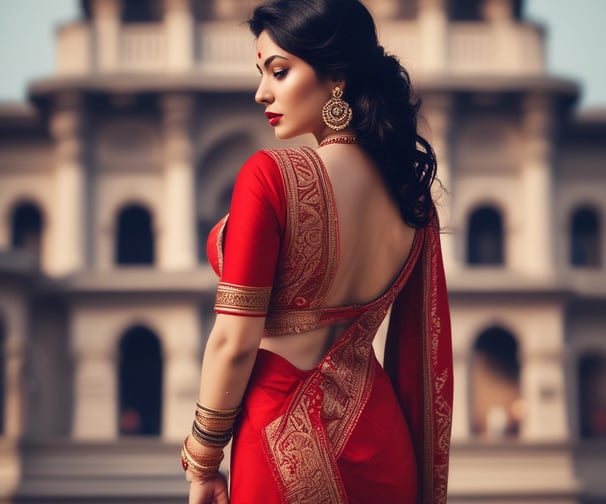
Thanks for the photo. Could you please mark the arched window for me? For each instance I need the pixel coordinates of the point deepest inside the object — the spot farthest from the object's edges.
(134, 11)
(464, 10)
(135, 238)
(140, 382)
(485, 240)
(592, 396)
(585, 246)
(496, 409)
(26, 229)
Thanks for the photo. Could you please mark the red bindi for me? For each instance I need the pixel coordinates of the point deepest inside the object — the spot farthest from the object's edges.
(259, 55)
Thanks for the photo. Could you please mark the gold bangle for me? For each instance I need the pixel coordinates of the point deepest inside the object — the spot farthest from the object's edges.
(231, 413)
(215, 424)
(208, 439)
(199, 457)
(203, 472)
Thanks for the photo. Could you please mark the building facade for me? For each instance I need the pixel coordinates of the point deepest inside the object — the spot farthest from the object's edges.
(114, 171)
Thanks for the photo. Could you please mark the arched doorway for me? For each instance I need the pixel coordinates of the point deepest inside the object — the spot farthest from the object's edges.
(140, 383)
(496, 406)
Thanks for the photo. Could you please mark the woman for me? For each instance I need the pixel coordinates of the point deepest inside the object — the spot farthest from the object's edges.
(317, 247)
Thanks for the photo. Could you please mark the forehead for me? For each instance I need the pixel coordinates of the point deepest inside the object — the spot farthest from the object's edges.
(267, 47)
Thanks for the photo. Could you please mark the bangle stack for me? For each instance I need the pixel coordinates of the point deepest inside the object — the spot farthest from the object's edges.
(212, 429)
(202, 467)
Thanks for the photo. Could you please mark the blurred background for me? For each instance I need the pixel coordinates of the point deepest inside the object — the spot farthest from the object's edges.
(123, 124)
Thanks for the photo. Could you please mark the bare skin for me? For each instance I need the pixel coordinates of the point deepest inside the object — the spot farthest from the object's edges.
(374, 241)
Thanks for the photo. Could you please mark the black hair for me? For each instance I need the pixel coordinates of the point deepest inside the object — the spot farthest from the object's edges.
(338, 39)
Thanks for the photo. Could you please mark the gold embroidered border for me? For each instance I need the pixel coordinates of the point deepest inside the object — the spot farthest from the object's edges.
(309, 260)
(242, 300)
(305, 470)
(219, 244)
(438, 412)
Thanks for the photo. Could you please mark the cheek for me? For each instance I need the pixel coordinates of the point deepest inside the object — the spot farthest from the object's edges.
(306, 91)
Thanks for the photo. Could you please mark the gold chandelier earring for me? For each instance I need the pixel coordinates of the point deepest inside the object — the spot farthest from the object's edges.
(336, 112)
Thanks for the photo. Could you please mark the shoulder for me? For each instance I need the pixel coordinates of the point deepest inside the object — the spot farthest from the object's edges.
(293, 157)
(260, 168)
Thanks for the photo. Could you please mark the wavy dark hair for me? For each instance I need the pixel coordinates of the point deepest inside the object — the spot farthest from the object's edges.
(338, 39)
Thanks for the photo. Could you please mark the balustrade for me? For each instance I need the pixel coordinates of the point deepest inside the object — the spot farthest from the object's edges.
(226, 47)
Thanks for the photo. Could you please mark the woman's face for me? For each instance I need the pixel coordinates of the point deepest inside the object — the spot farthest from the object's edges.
(291, 91)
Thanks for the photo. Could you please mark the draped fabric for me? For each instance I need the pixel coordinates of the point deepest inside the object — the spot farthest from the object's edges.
(347, 430)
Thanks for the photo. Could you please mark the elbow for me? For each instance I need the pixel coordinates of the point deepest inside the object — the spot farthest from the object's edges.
(234, 347)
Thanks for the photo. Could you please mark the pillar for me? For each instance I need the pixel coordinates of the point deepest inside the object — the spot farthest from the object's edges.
(70, 202)
(542, 378)
(182, 364)
(499, 13)
(15, 327)
(95, 381)
(537, 188)
(180, 29)
(460, 416)
(106, 17)
(178, 228)
(437, 112)
(433, 34)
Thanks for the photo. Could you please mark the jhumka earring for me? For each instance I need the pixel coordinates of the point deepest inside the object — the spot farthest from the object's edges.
(336, 112)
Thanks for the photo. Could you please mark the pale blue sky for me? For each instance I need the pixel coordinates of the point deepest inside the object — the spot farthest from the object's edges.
(576, 35)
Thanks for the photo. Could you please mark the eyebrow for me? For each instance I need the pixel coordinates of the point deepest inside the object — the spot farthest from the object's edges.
(270, 59)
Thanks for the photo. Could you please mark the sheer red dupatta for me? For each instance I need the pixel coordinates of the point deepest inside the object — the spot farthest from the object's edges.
(418, 360)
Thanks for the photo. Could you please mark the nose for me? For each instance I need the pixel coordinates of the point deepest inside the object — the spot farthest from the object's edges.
(263, 95)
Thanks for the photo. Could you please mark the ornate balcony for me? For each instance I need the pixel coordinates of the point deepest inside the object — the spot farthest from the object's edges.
(226, 48)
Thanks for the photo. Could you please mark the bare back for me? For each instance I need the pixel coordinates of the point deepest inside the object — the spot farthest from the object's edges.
(374, 243)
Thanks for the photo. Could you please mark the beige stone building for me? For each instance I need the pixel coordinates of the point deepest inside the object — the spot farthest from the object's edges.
(113, 172)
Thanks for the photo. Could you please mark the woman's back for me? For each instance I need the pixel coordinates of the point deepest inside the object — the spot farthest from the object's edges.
(374, 243)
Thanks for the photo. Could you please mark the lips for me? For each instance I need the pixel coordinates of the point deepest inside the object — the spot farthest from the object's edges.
(273, 118)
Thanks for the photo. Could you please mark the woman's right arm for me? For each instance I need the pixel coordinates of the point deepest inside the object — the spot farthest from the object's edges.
(228, 361)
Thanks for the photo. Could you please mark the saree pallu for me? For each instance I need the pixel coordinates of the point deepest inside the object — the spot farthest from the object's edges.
(376, 465)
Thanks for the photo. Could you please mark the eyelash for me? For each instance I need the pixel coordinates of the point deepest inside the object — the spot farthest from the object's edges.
(280, 74)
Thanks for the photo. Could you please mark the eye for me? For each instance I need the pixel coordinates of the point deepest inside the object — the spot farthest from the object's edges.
(279, 74)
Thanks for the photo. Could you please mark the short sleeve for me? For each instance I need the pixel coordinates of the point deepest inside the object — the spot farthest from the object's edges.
(252, 238)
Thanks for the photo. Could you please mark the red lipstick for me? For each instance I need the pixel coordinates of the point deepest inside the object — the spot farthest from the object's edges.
(273, 118)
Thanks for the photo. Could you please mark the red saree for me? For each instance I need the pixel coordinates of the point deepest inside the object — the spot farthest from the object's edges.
(347, 430)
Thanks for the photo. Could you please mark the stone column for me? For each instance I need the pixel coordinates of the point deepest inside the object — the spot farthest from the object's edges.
(437, 112)
(182, 366)
(542, 378)
(69, 214)
(178, 228)
(180, 29)
(537, 190)
(500, 14)
(106, 16)
(16, 330)
(460, 418)
(95, 381)
(433, 35)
